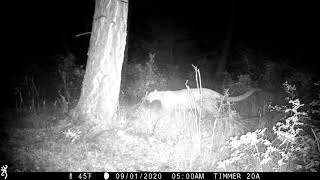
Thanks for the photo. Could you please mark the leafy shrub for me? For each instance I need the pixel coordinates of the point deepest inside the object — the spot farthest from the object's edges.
(290, 149)
(315, 104)
(47, 91)
(70, 76)
(142, 78)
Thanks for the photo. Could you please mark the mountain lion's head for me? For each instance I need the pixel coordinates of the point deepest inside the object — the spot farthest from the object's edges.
(154, 95)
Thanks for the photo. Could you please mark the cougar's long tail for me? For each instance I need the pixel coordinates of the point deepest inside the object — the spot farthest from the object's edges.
(243, 96)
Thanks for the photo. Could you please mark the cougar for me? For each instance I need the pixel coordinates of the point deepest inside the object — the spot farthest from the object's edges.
(182, 99)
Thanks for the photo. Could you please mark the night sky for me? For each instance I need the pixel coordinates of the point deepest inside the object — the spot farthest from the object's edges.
(283, 30)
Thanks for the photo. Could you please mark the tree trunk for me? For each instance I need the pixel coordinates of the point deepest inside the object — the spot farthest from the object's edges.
(101, 85)
(126, 57)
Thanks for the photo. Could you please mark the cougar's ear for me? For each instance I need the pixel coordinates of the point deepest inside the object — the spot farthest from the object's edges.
(149, 93)
(147, 96)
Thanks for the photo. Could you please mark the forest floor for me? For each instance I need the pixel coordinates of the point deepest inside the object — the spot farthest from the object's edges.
(60, 147)
(153, 141)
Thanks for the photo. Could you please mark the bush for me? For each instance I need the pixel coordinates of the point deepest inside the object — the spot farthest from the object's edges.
(290, 149)
(47, 92)
(142, 78)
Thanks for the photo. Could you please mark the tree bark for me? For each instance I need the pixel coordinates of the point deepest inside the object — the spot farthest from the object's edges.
(126, 57)
(101, 85)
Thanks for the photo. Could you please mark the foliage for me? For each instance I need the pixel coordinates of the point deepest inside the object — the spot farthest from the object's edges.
(291, 149)
(293, 146)
(142, 78)
(27, 95)
(243, 83)
(70, 75)
(32, 97)
(315, 104)
(303, 83)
